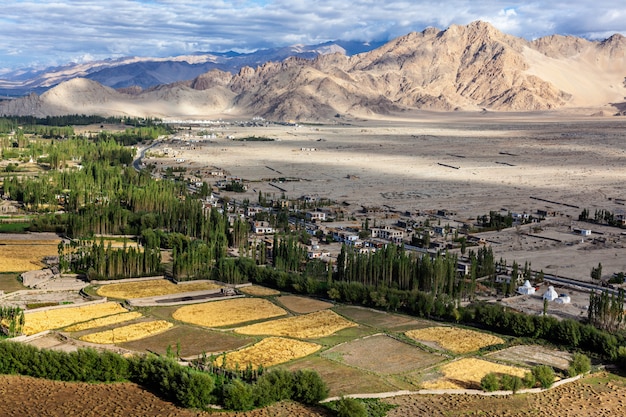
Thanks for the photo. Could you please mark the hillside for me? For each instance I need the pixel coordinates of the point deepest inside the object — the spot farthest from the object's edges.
(469, 68)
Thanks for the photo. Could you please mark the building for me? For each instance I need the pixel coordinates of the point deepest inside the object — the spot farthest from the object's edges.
(314, 216)
(551, 294)
(526, 289)
(262, 228)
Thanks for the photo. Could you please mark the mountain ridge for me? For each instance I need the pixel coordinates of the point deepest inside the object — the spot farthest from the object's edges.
(473, 67)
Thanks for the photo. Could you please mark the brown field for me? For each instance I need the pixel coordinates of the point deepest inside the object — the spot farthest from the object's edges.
(151, 288)
(62, 317)
(9, 283)
(269, 352)
(455, 339)
(228, 312)
(22, 255)
(104, 321)
(303, 305)
(343, 379)
(380, 319)
(594, 396)
(128, 333)
(533, 355)
(258, 291)
(466, 373)
(193, 341)
(382, 354)
(308, 326)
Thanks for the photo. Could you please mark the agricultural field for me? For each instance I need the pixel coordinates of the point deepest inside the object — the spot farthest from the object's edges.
(189, 341)
(380, 319)
(258, 291)
(39, 321)
(466, 373)
(228, 312)
(454, 339)
(382, 354)
(128, 333)
(19, 255)
(268, 352)
(533, 355)
(308, 326)
(303, 305)
(10, 283)
(151, 288)
(104, 321)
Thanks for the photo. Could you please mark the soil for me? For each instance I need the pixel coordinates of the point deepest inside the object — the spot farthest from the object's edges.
(22, 396)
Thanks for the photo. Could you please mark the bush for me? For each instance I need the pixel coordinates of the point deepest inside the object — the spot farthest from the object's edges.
(529, 380)
(308, 387)
(350, 407)
(580, 364)
(544, 374)
(490, 382)
(237, 395)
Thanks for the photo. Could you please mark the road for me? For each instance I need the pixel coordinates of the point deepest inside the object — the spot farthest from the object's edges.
(141, 152)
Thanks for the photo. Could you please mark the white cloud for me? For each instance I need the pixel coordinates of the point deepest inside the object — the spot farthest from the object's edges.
(53, 32)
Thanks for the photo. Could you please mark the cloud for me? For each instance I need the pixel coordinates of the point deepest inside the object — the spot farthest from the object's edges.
(60, 32)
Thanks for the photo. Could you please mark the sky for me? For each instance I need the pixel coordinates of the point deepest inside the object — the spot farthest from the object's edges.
(39, 33)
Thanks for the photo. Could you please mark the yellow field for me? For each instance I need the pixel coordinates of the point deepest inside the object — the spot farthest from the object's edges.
(258, 291)
(151, 288)
(25, 255)
(104, 321)
(467, 373)
(128, 333)
(308, 326)
(455, 339)
(62, 317)
(268, 352)
(228, 312)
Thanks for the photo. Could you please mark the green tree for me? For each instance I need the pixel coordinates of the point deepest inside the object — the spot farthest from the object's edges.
(580, 364)
(350, 407)
(544, 374)
(490, 382)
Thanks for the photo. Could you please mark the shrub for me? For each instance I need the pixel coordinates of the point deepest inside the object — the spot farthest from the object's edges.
(308, 387)
(529, 380)
(490, 382)
(580, 364)
(237, 395)
(350, 407)
(516, 384)
(544, 374)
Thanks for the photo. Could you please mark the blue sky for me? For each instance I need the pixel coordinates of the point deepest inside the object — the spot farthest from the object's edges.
(37, 33)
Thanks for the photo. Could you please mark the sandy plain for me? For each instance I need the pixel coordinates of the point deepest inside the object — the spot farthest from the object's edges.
(467, 163)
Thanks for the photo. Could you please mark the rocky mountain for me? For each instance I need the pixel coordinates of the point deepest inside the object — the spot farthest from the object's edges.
(149, 72)
(472, 67)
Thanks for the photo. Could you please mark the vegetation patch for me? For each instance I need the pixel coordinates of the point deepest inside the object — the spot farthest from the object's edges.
(379, 319)
(268, 352)
(127, 333)
(308, 326)
(104, 321)
(10, 283)
(467, 373)
(22, 255)
(228, 312)
(382, 354)
(455, 339)
(303, 305)
(62, 317)
(151, 288)
(533, 355)
(258, 291)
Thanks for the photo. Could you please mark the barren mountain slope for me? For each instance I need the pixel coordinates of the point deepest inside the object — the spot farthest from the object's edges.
(463, 67)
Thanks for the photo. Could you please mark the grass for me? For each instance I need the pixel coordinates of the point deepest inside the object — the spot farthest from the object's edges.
(14, 227)
(380, 319)
(10, 283)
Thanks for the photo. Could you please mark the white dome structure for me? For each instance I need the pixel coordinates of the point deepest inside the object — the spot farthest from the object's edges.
(526, 289)
(550, 295)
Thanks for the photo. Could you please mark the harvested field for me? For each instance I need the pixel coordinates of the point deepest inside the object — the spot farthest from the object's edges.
(151, 288)
(308, 326)
(343, 379)
(25, 255)
(380, 319)
(62, 317)
(269, 352)
(455, 339)
(466, 373)
(228, 312)
(104, 321)
(303, 305)
(258, 291)
(128, 333)
(382, 354)
(533, 355)
(193, 341)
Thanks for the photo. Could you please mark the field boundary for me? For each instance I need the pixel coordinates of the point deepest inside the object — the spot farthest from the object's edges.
(60, 306)
(455, 391)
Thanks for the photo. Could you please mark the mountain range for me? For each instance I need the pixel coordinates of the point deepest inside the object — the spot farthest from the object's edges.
(473, 67)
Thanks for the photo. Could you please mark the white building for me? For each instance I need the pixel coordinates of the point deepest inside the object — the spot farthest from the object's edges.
(526, 289)
(550, 295)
